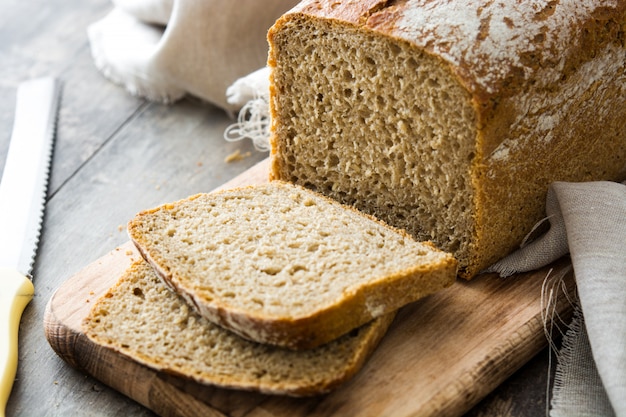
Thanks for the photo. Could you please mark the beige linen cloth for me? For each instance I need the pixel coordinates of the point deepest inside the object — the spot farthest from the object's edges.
(217, 50)
(588, 220)
(165, 49)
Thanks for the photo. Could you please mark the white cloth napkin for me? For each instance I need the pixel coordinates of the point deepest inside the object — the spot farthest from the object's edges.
(164, 49)
(588, 220)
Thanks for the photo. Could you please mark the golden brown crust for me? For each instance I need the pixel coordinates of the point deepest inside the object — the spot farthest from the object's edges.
(562, 41)
(585, 28)
(268, 370)
(546, 84)
(330, 323)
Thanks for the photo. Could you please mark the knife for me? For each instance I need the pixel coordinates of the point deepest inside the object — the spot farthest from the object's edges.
(22, 200)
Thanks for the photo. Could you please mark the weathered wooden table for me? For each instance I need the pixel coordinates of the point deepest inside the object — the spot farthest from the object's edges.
(115, 155)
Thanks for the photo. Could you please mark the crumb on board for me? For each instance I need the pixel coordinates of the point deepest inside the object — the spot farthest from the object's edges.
(129, 252)
(237, 156)
(120, 228)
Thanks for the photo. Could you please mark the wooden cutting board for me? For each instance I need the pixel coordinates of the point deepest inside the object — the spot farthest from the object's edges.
(441, 356)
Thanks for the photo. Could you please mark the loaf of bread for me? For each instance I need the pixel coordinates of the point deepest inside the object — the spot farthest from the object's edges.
(279, 264)
(141, 319)
(449, 119)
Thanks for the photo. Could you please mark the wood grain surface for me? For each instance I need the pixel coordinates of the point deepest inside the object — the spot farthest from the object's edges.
(442, 355)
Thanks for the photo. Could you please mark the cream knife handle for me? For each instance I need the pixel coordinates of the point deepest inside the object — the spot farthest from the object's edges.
(16, 291)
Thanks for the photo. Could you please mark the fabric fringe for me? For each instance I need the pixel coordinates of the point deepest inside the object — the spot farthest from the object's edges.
(253, 122)
(554, 327)
(566, 354)
(578, 389)
(575, 376)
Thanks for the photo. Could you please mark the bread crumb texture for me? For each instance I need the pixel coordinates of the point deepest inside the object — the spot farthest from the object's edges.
(140, 318)
(449, 119)
(280, 264)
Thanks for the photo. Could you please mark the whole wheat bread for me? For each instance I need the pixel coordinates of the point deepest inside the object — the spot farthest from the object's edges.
(449, 118)
(279, 264)
(143, 320)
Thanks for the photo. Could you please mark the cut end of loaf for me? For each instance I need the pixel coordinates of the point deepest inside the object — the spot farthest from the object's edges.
(375, 123)
(449, 120)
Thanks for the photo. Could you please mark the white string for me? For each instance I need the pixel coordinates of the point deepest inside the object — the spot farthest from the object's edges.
(253, 122)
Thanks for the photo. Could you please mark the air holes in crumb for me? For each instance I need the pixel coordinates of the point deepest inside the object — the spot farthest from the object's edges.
(395, 49)
(258, 302)
(229, 294)
(260, 374)
(320, 97)
(297, 268)
(354, 333)
(272, 270)
(138, 293)
(433, 83)
(171, 232)
(309, 202)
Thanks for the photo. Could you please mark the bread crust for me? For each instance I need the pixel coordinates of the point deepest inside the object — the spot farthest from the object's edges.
(308, 332)
(545, 80)
(101, 326)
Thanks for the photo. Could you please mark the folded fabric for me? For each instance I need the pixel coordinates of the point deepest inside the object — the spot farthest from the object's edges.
(164, 49)
(588, 220)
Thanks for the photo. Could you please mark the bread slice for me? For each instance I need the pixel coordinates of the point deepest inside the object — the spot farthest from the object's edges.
(279, 264)
(449, 119)
(141, 319)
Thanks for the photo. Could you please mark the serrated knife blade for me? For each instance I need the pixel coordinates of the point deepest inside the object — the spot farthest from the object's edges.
(23, 190)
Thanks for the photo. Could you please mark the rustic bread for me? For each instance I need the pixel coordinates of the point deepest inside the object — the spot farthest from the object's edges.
(449, 119)
(140, 318)
(279, 264)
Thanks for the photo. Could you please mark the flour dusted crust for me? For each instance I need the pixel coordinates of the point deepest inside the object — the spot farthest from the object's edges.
(545, 82)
